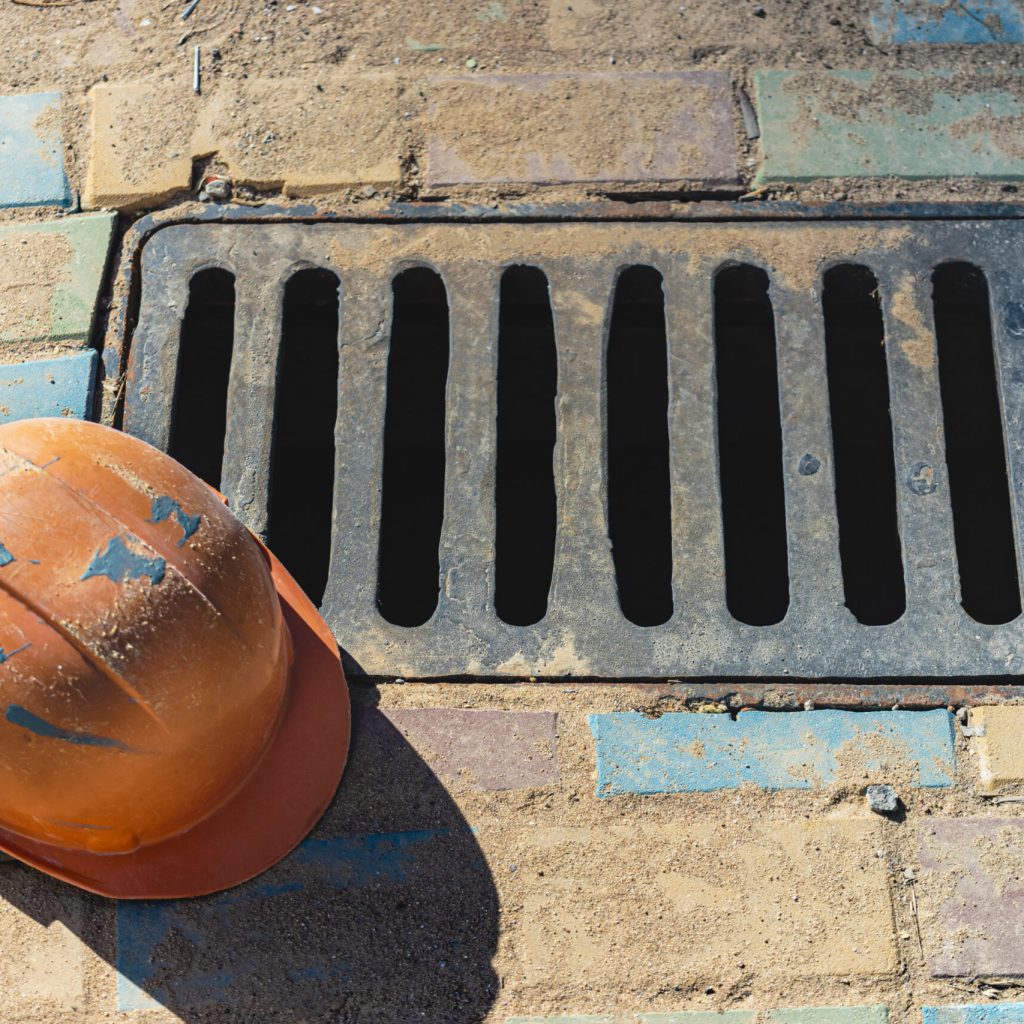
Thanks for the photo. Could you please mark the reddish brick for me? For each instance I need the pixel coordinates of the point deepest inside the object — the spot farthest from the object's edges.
(642, 127)
(972, 898)
(483, 749)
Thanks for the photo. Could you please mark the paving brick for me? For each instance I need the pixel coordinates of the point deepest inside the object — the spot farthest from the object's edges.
(1000, 751)
(972, 896)
(604, 127)
(50, 278)
(48, 387)
(639, 906)
(483, 750)
(304, 136)
(908, 124)
(681, 752)
(937, 21)
(322, 924)
(31, 156)
(989, 1013)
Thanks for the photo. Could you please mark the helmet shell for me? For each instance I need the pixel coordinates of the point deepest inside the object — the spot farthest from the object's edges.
(143, 655)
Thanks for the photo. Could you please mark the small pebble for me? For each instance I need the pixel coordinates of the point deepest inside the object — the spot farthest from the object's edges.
(808, 705)
(882, 798)
(471, 63)
(908, 874)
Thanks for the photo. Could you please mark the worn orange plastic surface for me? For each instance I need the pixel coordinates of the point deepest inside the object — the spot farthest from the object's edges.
(173, 714)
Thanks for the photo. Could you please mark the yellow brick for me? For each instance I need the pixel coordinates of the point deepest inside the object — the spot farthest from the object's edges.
(138, 155)
(661, 905)
(302, 136)
(1000, 751)
(288, 134)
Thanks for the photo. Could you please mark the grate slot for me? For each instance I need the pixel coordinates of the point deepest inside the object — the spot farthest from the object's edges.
(982, 523)
(639, 503)
(584, 632)
(305, 411)
(858, 384)
(201, 381)
(750, 447)
(413, 475)
(526, 430)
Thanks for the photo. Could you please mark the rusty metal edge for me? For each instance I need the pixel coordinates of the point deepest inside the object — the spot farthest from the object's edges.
(773, 695)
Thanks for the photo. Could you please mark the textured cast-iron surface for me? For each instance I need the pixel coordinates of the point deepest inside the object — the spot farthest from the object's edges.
(585, 633)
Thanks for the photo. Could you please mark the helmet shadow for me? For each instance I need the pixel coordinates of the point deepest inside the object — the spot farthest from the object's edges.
(386, 913)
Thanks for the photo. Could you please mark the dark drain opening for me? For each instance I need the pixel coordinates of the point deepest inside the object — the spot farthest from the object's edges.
(750, 448)
(306, 406)
(525, 482)
(865, 469)
(412, 482)
(639, 496)
(204, 366)
(975, 455)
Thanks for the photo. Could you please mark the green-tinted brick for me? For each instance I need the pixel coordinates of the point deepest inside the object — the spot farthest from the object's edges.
(50, 277)
(907, 124)
(831, 1015)
(699, 1017)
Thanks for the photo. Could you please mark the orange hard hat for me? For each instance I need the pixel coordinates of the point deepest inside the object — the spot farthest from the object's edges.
(173, 714)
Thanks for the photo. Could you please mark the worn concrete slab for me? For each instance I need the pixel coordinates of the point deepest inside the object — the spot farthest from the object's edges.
(682, 752)
(48, 387)
(51, 273)
(589, 894)
(908, 124)
(972, 896)
(987, 1013)
(638, 127)
(1000, 751)
(301, 135)
(937, 21)
(31, 155)
(483, 749)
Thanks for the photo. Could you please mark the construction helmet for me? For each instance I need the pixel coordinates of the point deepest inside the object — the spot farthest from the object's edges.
(173, 713)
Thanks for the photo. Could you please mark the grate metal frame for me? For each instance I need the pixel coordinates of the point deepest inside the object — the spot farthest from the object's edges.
(584, 634)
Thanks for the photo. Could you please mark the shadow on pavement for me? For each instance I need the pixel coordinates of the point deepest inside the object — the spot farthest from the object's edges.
(386, 914)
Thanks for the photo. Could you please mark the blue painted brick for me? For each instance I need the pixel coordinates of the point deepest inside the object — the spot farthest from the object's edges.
(31, 160)
(972, 21)
(991, 1013)
(145, 929)
(680, 753)
(48, 387)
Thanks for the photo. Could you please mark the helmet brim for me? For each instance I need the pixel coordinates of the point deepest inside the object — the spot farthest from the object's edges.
(274, 811)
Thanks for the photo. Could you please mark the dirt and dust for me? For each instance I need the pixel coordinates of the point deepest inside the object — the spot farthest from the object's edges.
(76, 46)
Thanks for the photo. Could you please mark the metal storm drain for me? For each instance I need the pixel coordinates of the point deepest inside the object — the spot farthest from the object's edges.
(611, 449)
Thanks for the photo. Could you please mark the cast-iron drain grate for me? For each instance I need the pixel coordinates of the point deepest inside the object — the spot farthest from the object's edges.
(609, 449)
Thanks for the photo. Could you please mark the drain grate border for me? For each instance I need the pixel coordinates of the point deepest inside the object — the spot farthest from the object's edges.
(914, 691)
